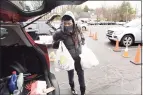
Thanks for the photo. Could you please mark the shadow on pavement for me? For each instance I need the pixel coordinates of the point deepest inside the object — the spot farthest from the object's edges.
(112, 44)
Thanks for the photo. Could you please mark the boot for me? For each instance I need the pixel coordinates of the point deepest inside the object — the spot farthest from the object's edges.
(82, 90)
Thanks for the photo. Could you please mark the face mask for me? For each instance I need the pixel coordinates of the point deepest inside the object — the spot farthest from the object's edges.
(68, 29)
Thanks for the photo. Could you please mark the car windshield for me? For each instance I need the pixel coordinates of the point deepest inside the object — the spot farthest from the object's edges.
(133, 23)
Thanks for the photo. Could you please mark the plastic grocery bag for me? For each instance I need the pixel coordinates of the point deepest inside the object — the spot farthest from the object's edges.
(64, 60)
(88, 58)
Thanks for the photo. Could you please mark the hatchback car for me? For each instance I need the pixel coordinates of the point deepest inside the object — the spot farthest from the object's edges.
(18, 51)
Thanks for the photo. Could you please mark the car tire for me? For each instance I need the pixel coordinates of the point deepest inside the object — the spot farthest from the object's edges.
(127, 39)
(83, 28)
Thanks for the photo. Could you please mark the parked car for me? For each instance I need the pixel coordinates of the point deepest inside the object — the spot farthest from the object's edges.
(31, 27)
(103, 23)
(111, 23)
(83, 25)
(120, 23)
(18, 50)
(127, 34)
(107, 23)
(45, 38)
(97, 23)
(41, 37)
(91, 22)
(41, 32)
(84, 20)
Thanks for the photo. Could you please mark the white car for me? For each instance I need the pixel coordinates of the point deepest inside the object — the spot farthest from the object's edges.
(41, 38)
(45, 39)
(120, 23)
(91, 22)
(83, 25)
(38, 35)
(127, 34)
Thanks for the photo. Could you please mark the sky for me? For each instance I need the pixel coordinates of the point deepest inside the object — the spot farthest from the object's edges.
(97, 4)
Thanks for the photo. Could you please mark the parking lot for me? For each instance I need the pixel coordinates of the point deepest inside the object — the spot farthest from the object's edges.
(30, 30)
(114, 75)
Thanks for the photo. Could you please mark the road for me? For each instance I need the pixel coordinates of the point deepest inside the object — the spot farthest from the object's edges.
(114, 75)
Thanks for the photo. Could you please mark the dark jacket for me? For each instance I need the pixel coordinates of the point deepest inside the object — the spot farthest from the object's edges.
(69, 41)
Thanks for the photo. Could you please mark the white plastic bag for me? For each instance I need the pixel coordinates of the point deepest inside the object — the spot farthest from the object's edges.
(88, 58)
(64, 60)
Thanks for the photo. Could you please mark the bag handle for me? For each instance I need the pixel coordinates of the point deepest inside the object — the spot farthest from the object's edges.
(61, 45)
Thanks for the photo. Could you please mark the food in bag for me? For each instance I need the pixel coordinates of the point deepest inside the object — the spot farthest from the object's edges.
(64, 60)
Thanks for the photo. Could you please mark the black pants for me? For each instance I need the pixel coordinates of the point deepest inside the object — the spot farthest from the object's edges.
(80, 74)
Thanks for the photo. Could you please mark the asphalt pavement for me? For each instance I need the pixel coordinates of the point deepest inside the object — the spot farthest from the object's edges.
(114, 75)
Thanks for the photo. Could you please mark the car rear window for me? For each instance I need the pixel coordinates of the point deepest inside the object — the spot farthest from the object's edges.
(9, 37)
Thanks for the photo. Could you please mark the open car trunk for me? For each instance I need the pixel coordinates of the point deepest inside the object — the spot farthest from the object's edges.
(13, 56)
(11, 9)
(18, 54)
